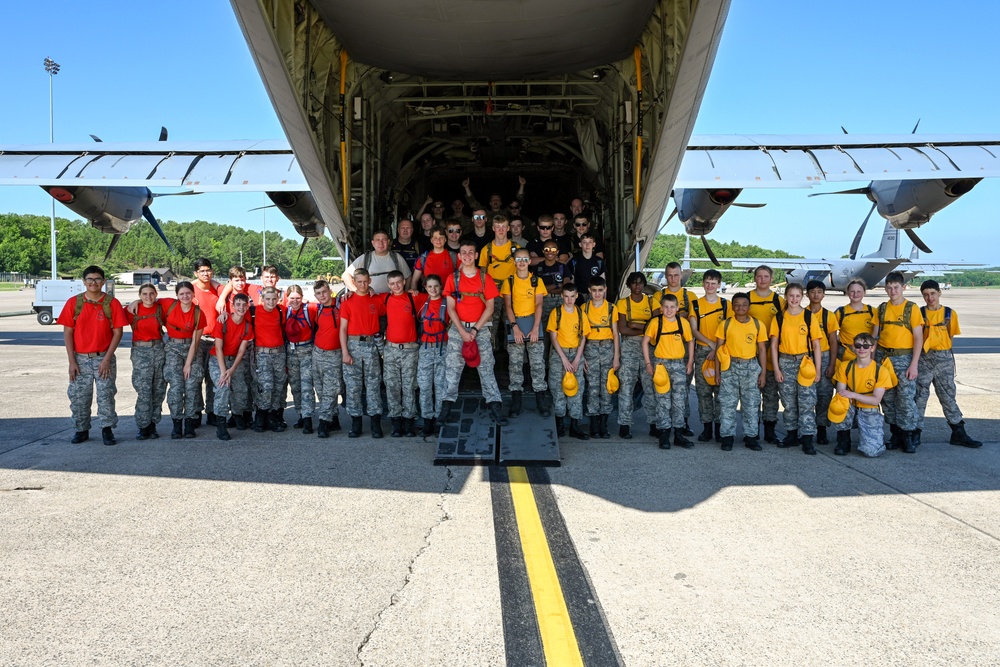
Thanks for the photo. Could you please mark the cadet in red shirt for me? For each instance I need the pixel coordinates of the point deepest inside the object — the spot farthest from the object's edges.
(359, 329)
(185, 323)
(327, 361)
(299, 318)
(232, 338)
(400, 356)
(148, 356)
(206, 297)
(431, 378)
(269, 362)
(92, 328)
(471, 295)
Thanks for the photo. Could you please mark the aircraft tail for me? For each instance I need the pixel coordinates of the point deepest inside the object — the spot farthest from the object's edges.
(889, 248)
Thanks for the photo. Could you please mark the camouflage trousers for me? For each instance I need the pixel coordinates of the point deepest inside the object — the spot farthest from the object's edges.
(328, 377)
(149, 383)
(561, 403)
(937, 367)
(400, 376)
(206, 354)
(769, 398)
(899, 404)
(600, 355)
(671, 407)
(233, 397)
(183, 393)
(738, 385)
(634, 368)
(499, 323)
(536, 361)
(432, 378)
(81, 392)
(269, 378)
(365, 374)
(455, 364)
(800, 402)
(708, 395)
(869, 429)
(300, 379)
(824, 390)
(549, 303)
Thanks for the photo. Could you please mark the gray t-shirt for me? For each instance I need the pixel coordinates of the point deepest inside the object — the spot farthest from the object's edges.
(379, 268)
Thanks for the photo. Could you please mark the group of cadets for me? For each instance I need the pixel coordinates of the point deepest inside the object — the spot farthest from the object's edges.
(413, 318)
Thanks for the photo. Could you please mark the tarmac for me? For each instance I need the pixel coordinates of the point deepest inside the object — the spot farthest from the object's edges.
(282, 549)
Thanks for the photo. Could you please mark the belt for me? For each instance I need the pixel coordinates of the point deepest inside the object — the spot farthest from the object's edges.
(469, 325)
(92, 355)
(784, 355)
(403, 346)
(896, 351)
(292, 346)
(743, 359)
(362, 339)
(146, 343)
(270, 350)
(208, 339)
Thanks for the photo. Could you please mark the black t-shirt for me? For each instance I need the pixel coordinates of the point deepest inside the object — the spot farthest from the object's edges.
(584, 269)
(480, 241)
(553, 276)
(408, 251)
(536, 247)
(598, 244)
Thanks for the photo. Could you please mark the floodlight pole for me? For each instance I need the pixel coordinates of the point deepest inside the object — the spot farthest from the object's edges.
(52, 67)
(263, 239)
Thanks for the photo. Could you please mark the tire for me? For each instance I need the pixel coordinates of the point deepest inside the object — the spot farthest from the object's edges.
(45, 317)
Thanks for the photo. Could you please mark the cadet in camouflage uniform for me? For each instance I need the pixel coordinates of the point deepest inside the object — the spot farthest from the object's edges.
(359, 329)
(182, 367)
(708, 313)
(829, 350)
(568, 330)
(764, 306)
(327, 361)
(744, 338)
(431, 377)
(863, 404)
(299, 318)
(523, 294)
(92, 328)
(269, 362)
(399, 366)
(232, 336)
(634, 312)
(147, 356)
(791, 341)
(602, 355)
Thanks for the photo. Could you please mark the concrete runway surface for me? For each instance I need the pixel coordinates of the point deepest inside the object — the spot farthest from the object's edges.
(282, 549)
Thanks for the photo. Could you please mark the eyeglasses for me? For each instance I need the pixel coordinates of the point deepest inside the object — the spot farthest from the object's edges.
(861, 346)
(550, 250)
(545, 226)
(93, 280)
(522, 259)
(479, 217)
(581, 224)
(454, 231)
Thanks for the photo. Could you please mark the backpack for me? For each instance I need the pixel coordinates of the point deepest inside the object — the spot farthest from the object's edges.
(579, 319)
(413, 310)
(775, 299)
(660, 333)
(288, 316)
(725, 326)
(850, 375)
(842, 312)
(368, 261)
(481, 294)
(946, 323)
(510, 257)
(725, 309)
(907, 314)
(531, 276)
(197, 316)
(586, 308)
(334, 312)
(246, 326)
(105, 305)
(780, 316)
(442, 317)
(138, 318)
(686, 306)
(628, 307)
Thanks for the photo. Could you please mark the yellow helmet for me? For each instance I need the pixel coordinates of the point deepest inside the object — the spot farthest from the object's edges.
(661, 379)
(708, 371)
(569, 384)
(838, 409)
(722, 354)
(612, 383)
(807, 372)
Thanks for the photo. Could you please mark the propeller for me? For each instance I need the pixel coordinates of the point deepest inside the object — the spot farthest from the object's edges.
(114, 241)
(742, 205)
(861, 230)
(163, 133)
(708, 250)
(915, 127)
(146, 213)
(916, 240)
(669, 218)
(301, 248)
(856, 191)
(96, 138)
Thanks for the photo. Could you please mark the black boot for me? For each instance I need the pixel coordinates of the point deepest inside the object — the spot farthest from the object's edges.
(141, 433)
(307, 425)
(706, 433)
(355, 431)
(653, 430)
(664, 437)
(542, 400)
(221, 432)
(751, 443)
(687, 429)
(410, 427)
(321, 430)
(430, 426)
(495, 412)
(151, 431)
(397, 428)
(727, 443)
(189, 426)
(603, 424)
(515, 403)
(376, 422)
(561, 426)
(260, 421)
(958, 436)
(843, 443)
(909, 446)
(807, 445)
(595, 426)
(209, 419)
(769, 435)
(821, 436)
(108, 436)
(577, 432)
(178, 431)
(334, 424)
(680, 440)
(231, 422)
(717, 427)
(275, 422)
(445, 411)
(300, 423)
(247, 418)
(625, 432)
(894, 441)
(917, 433)
(197, 419)
(280, 414)
(791, 439)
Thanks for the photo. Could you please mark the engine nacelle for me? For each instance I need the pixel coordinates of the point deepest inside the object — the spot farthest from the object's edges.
(910, 204)
(301, 210)
(699, 210)
(111, 210)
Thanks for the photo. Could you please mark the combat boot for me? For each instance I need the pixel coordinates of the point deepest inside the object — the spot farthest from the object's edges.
(663, 434)
(916, 436)
(334, 424)
(894, 439)
(843, 443)
(791, 439)
(209, 419)
(909, 446)
(321, 430)
(300, 423)
(274, 422)
(241, 424)
(727, 443)
(280, 414)
(654, 431)
(680, 440)
(430, 426)
(307, 426)
(577, 432)
(595, 426)
(959, 436)
(376, 422)
(687, 429)
(717, 427)
(807, 445)
(260, 421)
(769, 435)
(410, 427)
(445, 411)
(544, 406)
(561, 426)
(108, 436)
(603, 425)
(495, 412)
(248, 418)
(221, 432)
(189, 428)
(141, 434)
(706, 433)
(515, 403)
(625, 432)
(178, 431)
(232, 420)
(397, 427)
(151, 431)
(355, 431)
(821, 436)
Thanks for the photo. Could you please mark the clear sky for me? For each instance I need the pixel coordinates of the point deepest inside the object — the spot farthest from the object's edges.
(782, 68)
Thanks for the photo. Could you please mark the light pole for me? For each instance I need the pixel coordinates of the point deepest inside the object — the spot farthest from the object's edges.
(52, 67)
(263, 237)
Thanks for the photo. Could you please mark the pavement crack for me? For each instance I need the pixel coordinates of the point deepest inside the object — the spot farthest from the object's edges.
(443, 515)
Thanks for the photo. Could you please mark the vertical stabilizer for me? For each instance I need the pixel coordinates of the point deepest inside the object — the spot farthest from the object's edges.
(889, 247)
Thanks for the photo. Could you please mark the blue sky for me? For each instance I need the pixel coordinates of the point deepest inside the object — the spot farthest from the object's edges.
(782, 68)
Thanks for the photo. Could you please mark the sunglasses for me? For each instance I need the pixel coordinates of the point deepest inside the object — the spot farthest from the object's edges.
(862, 346)
(522, 259)
(479, 217)
(581, 224)
(454, 231)
(515, 206)
(545, 226)
(551, 250)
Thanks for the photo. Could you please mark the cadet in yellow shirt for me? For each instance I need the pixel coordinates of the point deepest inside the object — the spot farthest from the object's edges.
(602, 355)
(522, 297)
(745, 340)
(937, 364)
(900, 334)
(685, 305)
(764, 305)
(670, 338)
(708, 313)
(497, 258)
(854, 318)
(828, 348)
(634, 312)
(568, 329)
(864, 381)
(795, 335)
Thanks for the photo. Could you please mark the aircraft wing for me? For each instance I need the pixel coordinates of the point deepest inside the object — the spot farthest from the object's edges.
(936, 268)
(775, 263)
(250, 166)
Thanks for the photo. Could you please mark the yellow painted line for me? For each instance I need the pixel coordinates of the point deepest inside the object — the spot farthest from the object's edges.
(554, 625)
